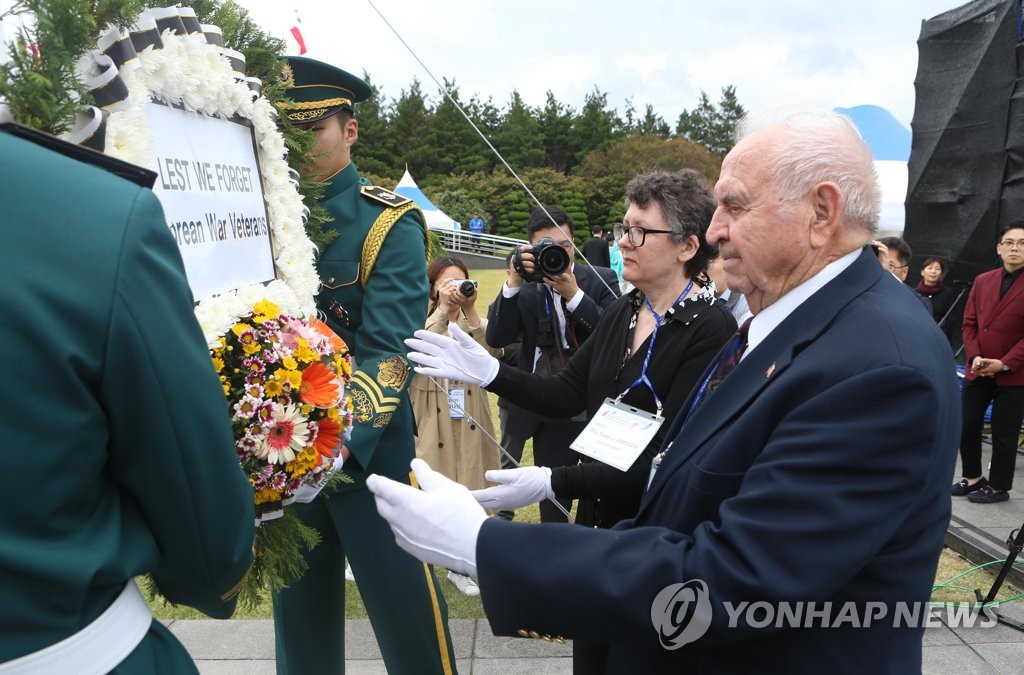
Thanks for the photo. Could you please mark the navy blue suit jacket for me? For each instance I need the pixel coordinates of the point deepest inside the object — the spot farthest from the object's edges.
(818, 471)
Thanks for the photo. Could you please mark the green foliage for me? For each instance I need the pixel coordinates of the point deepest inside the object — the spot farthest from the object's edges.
(560, 144)
(279, 562)
(42, 91)
(513, 214)
(461, 207)
(576, 206)
(435, 250)
(518, 139)
(712, 126)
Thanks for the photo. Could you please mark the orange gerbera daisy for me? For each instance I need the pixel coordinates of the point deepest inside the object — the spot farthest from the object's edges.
(319, 386)
(337, 344)
(328, 437)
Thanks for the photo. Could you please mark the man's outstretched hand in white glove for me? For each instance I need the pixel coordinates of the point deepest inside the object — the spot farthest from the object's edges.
(518, 487)
(458, 357)
(437, 524)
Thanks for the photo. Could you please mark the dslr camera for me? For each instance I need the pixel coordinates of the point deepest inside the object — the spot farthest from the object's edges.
(549, 259)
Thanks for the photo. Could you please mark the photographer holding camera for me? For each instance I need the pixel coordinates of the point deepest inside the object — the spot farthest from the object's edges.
(453, 420)
(552, 306)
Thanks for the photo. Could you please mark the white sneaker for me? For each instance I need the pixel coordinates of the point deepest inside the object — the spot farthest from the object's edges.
(465, 584)
(348, 573)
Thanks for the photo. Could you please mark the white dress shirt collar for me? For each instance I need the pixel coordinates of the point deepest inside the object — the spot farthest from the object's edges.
(769, 318)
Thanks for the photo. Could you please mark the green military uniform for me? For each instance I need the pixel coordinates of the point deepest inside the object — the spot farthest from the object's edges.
(374, 295)
(117, 445)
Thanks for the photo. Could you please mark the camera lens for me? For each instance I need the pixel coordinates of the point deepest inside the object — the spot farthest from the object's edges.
(467, 288)
(553, 260)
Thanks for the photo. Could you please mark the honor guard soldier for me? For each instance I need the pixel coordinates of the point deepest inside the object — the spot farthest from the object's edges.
(373, 294)
(119, 452)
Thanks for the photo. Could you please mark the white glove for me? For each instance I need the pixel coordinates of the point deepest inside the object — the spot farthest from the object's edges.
(307, 492)
(519, 487)
(438, 524)
(458, 357)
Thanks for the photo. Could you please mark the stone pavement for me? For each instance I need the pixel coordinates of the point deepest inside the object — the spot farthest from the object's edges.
(976, 531)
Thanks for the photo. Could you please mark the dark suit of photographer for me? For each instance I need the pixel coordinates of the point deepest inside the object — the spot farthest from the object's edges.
(551, 319)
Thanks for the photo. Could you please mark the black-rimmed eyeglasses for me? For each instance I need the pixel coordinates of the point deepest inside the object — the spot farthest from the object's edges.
(635, 234)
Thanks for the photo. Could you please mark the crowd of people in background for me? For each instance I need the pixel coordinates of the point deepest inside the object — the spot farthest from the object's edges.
(759, 276)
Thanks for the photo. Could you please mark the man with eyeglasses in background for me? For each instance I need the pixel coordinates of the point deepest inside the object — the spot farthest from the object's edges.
(994, 345)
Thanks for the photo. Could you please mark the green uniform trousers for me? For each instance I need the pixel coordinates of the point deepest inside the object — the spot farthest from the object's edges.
(398, 591)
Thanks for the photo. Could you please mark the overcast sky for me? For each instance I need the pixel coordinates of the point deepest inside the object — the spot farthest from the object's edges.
(661, 52)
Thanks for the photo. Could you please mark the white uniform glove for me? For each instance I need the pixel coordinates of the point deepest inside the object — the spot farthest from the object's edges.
(458, 357)
(437, 524)
(308, 492)
(519, 487)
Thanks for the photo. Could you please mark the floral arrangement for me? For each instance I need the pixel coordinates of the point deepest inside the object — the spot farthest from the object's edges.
(285, 374)
(286, 384)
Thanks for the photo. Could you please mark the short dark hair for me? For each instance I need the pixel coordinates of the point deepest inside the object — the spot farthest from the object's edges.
(539, 220)
(901, 247)
(929, 261)
(688, 204)
(1015, 225)
(596, 229)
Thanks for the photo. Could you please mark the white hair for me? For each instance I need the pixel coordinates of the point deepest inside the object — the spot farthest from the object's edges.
(821, 146)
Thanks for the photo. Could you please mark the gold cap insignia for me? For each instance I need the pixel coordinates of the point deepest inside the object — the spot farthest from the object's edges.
(287, 76)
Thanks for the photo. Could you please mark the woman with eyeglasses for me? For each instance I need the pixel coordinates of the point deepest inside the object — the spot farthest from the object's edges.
(648, 352)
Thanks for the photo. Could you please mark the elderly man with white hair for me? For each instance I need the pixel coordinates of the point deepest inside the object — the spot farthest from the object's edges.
(794, 518)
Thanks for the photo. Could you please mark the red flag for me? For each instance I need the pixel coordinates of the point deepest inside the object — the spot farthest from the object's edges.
(297, 33)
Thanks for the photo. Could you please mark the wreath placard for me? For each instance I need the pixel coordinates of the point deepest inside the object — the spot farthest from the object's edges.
(188, 71)
(286, 382)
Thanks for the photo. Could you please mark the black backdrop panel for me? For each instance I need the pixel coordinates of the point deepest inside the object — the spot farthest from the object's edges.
(966, 76)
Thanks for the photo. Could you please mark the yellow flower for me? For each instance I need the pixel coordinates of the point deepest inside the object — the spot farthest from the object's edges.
(343, 366)
(303, 463)
(306, 409)
(305, 353)
(251, 348)
(218, 363)
(272, 388)
(289, 363)
(292, 376)
(240, 328)
(264, 495)
(267, 308)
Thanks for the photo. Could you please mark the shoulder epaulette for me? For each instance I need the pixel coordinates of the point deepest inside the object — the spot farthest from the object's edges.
(384, 196)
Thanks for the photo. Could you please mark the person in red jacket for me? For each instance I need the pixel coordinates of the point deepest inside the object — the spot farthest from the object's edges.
(994, 344)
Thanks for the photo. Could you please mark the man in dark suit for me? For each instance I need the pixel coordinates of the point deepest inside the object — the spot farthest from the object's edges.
(595, 249)
(815, 472)
(551, 320)
(994, 344)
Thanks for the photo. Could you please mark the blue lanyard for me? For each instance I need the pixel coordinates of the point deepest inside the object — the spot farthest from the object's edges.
(650, 348)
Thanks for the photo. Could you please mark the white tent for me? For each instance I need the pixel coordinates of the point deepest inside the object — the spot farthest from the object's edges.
(436, 218)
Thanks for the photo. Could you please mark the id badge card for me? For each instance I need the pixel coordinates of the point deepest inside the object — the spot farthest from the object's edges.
(617, 434)
(457, 403)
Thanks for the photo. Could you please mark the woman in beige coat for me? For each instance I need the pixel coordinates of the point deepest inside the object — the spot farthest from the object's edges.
(453, 420)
